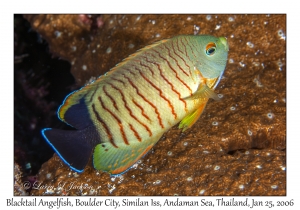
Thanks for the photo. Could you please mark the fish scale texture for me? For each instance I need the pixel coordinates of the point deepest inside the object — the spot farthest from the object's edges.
(237, 147)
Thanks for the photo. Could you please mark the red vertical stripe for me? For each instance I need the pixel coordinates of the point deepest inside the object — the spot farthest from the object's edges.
(117, 119)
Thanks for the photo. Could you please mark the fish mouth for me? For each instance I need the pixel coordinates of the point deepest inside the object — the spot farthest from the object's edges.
(225, 43)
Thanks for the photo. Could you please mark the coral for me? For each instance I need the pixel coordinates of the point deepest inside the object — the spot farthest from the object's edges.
(238, 145)
(18, 184)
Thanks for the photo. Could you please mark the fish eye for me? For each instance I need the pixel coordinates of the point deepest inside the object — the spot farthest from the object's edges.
(210, 49)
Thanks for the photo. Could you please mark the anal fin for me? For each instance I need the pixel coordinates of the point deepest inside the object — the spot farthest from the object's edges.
(117, 160)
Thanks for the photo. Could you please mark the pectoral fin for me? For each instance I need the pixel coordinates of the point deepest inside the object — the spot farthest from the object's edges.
(204, 92)
(190, 120)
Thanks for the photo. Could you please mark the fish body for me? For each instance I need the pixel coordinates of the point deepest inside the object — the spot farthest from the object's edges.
(125, 112)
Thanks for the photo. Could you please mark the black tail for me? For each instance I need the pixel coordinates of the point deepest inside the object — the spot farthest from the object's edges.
(74, 147)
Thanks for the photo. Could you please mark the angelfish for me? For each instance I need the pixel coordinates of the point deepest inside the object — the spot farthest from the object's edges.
(125, 112)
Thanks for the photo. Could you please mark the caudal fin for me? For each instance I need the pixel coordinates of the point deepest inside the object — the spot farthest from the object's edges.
(74, 147)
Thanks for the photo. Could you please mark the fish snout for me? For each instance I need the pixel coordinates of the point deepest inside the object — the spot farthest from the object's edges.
(225, 43)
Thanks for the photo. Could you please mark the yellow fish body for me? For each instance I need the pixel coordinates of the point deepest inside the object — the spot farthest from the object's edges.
(125, 112)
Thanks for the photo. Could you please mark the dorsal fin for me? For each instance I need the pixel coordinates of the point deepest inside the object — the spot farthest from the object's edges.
(74, 102)
(136, 54)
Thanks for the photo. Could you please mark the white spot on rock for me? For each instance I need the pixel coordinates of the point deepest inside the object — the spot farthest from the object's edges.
(121, 178)
(189, 179)
(215, 123)
(57, 34)
(218, 27)
(255, 63)
(49, 191)
(134, 166)
(270, 115)
(242, 64)
(250, 44)
(201, 192)
(196, 29)
(84, 67)
(108, 50)
(208, 17)
(220, 95)
(157, 182)
(138, 18)
(281, 34)
(48, 176)
(257, 82)
(130, 46)
(111, 188)
(92, 191)
(280, 64)
(230, 19)
(274, 187)
(217, 168)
